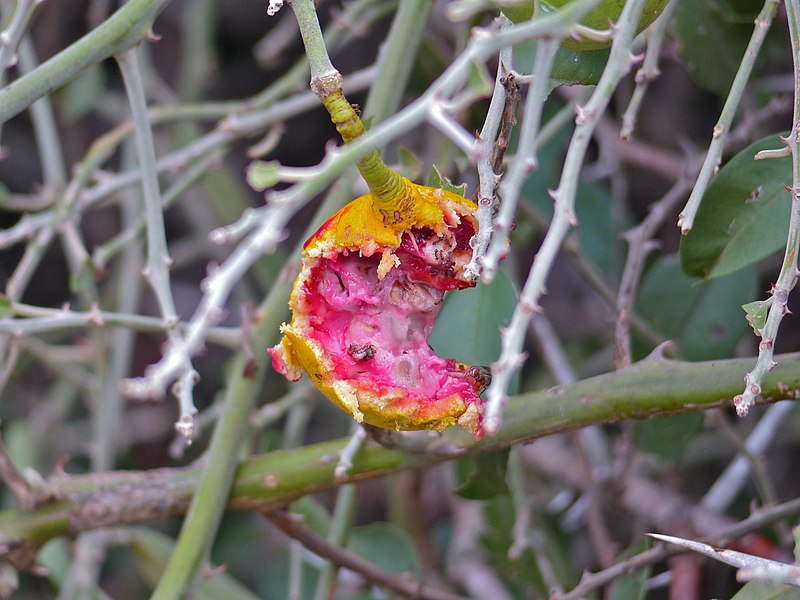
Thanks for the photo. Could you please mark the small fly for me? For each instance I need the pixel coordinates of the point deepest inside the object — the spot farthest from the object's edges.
(481, 377)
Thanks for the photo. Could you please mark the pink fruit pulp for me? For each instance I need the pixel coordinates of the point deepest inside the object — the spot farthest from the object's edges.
(375, 330)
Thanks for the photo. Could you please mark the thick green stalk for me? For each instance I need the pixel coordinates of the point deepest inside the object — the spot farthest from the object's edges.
(649, 388)
(120, 31)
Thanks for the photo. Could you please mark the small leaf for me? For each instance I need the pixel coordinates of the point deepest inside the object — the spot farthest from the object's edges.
(519, 11)
(6, 306)
(436, 180)
(479, 83)
(756, 314)
(83, 278)
(262, 175)
(743, 217)
(570, 67)
(483, 476)
(796, 533)
(757, 590)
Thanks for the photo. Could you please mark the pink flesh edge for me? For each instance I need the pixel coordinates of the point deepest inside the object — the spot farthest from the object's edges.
(376, 331)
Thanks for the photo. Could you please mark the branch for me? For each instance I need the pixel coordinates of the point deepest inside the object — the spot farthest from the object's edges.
(122, 30)
(758, 520)
(787, 279)
(511, 357)
(291, 526)
(649, 388)
(714, 155)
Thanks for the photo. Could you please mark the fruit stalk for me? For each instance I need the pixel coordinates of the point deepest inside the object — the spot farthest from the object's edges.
(386, 185)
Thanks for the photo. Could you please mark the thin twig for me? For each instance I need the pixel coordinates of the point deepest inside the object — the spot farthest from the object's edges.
(525, 158)
(649, 70)
(292, 527)
(511, 356)
(488, 171)
(37, 319)
(714, 154)
(787, 278)
(158, 261)
(12, 35)
(640, 243)
(339, 529)
(728, 485)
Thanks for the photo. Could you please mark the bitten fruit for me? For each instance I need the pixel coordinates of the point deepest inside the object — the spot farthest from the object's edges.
(363, 306)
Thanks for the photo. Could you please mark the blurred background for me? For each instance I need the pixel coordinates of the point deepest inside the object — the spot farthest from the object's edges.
(581, 500)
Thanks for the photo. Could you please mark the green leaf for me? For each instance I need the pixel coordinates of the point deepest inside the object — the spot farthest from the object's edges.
(6, 306)
(468, 326)
(483, 476)
(744, 214)
(704, 317)
(756, 590)
(82, 279)
(479, 83)
(80, 96)
(713, 38)
(573, 67)
(756, 314)
(436, 180)
(667, 437)
(570, 67)
(796, 534)
(262, 175)
(386, 546)
(516, 11)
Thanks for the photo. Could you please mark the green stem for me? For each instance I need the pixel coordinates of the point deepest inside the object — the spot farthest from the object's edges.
(649, 388)
(386, 185)
(123, 29)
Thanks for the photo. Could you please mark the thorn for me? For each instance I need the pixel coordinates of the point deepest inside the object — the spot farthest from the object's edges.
(95, 316)
(660, 351)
